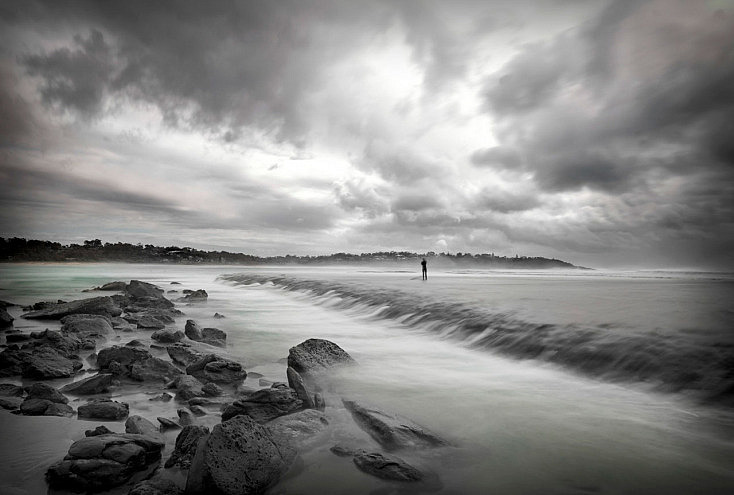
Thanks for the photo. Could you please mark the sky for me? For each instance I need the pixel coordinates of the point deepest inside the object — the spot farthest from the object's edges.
(597, 132)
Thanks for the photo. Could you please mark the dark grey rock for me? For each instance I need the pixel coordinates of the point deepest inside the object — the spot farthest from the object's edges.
(100, 430)
(148, 322)
(219, 316)
(212, 389)
(140, 426)
(213, 368)
(296, 428)
(135, 343)
(13, 338)
(183, 355)
(93, 306)
(296, 383)
(87, 326)
(104, 409)
(168, 424)
(264, 405)
(44, 362)
(187, 387)
(238, 457)
(388, 467)
(164, 397)
(315, 356)
(112, 286)
(6, 321)
(185, 448)
(124, 355)
(392, 431)
(198, 295)
(10, 403)
(10, 390)
(45, 391)
(193, 331)
(344, 451)
(137, 290)
(96, 384)
(167, 336)
(214, 336)
(185, 417)
(319, 402)
(45, 407)
(197, 410)
(156, 486)
(154, 369)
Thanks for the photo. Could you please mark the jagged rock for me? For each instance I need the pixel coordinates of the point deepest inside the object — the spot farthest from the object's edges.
(264, 405)
(141, 426)
(296, 383)
(87, 327)
(218, 316)
(167, 336)
(187, 387)
(100, 430)
(104, 409)
(213, 368)
(150, 323)
(388, 467)
(137, 289)
(315, 356)
(392, 431)
(238, 457)
(103, 461)
(10, 390)
(183, 355)
(164, 397)
(156, 486)
(195, 296)
(96, 384)
(124, 355)
(185, 417)
(186, 443)
(212, 389)
(193, 331)
(167, 424)
(6, 321)
(47, 392)
(93, 306)
(294, 429)
(154, 369)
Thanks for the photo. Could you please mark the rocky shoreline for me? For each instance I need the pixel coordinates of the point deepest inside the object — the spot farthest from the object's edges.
(232, 438)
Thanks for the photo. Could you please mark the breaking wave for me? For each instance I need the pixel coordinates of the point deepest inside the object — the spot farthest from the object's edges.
(671, 363)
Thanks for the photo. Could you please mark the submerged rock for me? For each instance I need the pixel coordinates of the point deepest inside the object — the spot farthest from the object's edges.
(265, 405)
(140, 426)
(104, 461)
(103, 305)
(198, 295)
(296, 428)
(315, 356)
(185, 448)
(385, 466)
(104, 409)
(213, 368)
(238, 457)
(167, 424)
(96, 384)
(112, 286)
(392, 431)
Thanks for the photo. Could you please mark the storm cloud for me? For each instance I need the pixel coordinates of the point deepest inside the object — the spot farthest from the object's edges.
(594, 131)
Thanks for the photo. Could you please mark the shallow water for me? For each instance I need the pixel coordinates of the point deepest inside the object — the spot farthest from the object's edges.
(516, 426)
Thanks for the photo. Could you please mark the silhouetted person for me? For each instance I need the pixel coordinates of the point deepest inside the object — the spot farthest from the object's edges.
(424, 265)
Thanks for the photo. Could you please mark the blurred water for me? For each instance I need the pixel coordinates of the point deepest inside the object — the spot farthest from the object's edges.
(518, 426)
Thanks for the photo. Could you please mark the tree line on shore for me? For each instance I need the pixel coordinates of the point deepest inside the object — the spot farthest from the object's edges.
(22, 250)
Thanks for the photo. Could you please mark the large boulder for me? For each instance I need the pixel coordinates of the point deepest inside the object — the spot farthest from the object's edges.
(154, 369)
(265, 404)
(104, 461)
(124, 355)
(104, 409)
(213, 368)
(167, 336)
(186, 443)
(45, 400)
(96, 384)
(315, 356)
(45, 391)
(392, 431)
(45, 362)
(183, 355)
(239, 457)
(87, 326)
(94, 306)
(193, 331)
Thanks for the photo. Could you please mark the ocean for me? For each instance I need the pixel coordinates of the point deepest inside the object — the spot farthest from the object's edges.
(552, 382)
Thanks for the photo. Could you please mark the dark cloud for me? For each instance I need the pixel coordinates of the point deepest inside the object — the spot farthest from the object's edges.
(497, 157)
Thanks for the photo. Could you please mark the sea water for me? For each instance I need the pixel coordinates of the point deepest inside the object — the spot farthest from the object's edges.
(542, 382)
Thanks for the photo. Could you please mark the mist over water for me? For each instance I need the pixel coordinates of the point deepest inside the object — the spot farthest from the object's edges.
(518, 426)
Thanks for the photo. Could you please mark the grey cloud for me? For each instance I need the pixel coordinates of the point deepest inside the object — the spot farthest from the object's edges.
(497, 156)
(502, 201)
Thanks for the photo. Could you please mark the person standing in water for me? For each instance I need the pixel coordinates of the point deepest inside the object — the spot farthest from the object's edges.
(424, 264)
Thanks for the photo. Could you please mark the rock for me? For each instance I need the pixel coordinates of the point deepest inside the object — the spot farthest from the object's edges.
(195, 296)
(45, 407)
(141, 426)
(388, 467)
(296, 428)
(157, 486)
(100, 430)
(183, 355)
(296, 383)
(104, 409)
(137, 290)
(238, 457)
(197, 410)
(89, 327)
(264, 382)
(212, 368)
(318, 402)
(343, 451)
(104, 461)
(167, 336)
(315, 356)
(167, 424)
(12, 338)
(47, 392)
(10, 403)
(44, 362)
(218, 316)
(212, 389)
(124, 355)
(150, 323)
(186, 443)
(214, 336)
(164, 397)
(93, 306)
(154, 369)
(96, 384)
(187, 388)
(193, 331)
(10, 390)
(6, 321)
(118, 322)
(264, 405)
(185, 417)
(135, 343)
(391, 431)
(112, 286)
